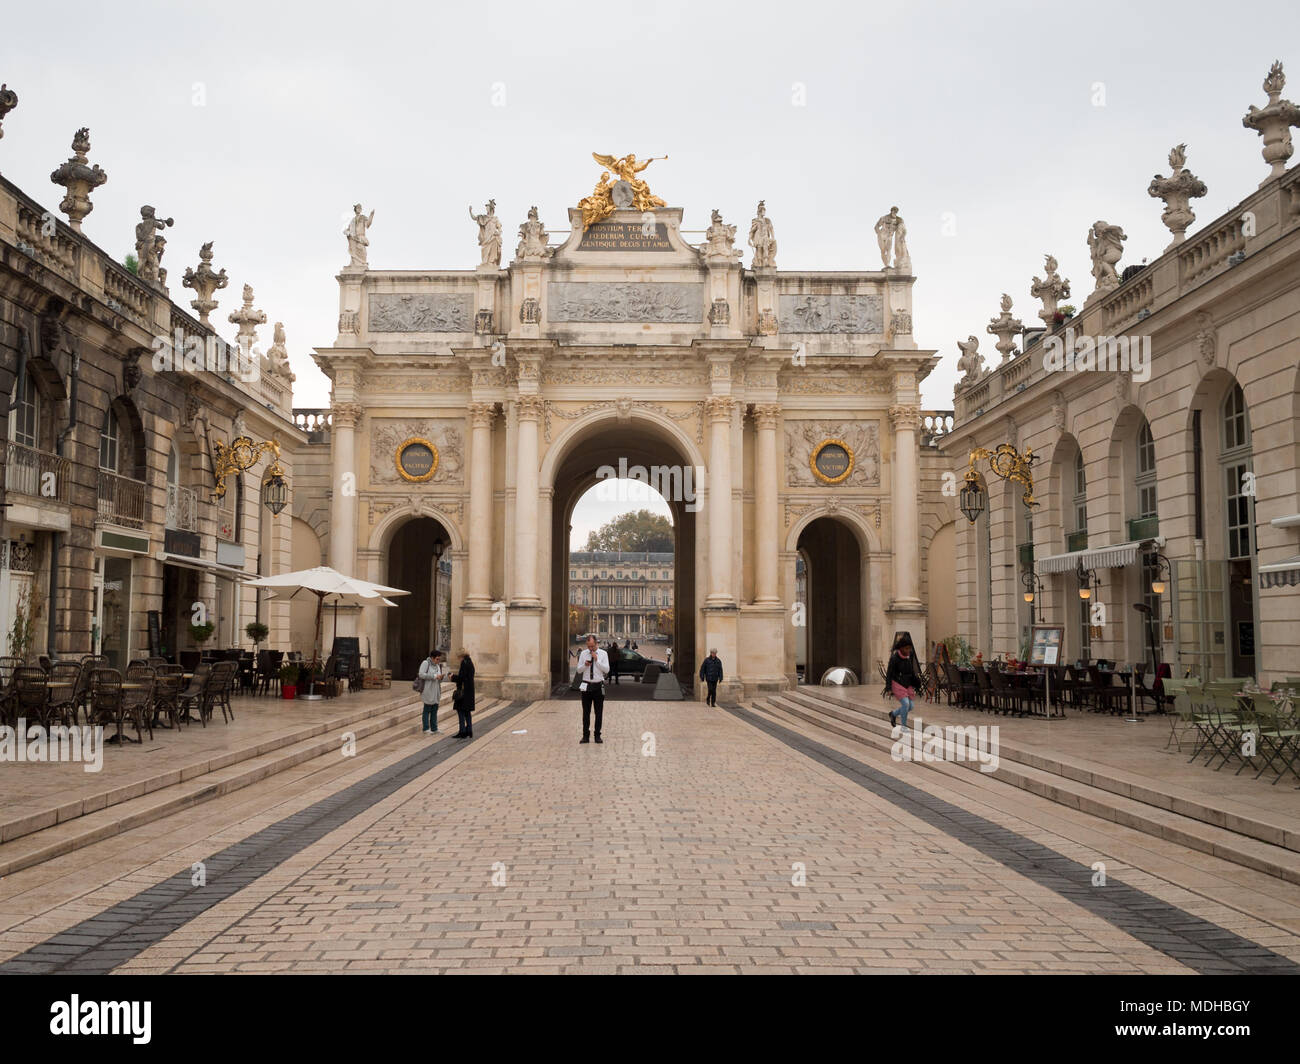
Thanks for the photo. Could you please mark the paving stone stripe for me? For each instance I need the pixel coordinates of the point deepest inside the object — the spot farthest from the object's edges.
(109, 939)
(1201, 945)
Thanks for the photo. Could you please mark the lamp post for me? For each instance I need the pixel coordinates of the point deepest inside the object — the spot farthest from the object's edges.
(1009, 464)
(239, 457)
(1033, 585)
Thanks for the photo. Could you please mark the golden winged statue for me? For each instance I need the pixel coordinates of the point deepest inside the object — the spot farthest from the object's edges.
(600, 204)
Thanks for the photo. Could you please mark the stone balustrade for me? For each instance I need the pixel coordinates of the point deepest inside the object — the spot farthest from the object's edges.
(1268, 213)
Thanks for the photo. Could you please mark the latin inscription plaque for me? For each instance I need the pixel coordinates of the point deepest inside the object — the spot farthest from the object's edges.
(625, 236)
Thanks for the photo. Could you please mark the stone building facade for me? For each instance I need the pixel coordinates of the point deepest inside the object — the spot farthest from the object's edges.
(1179, 473)
(778, 413)
(622, 594)
(111, 537)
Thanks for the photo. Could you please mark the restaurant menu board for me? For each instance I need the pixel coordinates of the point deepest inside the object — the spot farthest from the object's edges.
(1045, 647)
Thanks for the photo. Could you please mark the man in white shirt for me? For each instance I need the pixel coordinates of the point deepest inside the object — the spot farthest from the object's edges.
(593, 667)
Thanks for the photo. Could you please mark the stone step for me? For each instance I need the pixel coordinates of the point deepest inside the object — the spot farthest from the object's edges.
(1165, 796)
(16, 823)
(1165, 824)
(374, 733)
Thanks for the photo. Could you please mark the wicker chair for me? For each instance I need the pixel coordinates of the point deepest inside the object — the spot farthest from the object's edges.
(195, 695)
(137, 705)
(106, 699)
(166, 692)
(31, 696)
(225, 674)
(64, 682)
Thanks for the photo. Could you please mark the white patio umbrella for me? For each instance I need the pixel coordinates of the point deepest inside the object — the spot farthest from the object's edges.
(324, 582)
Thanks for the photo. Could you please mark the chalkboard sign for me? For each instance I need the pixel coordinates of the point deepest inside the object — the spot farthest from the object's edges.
(155, 634)
(347, 652)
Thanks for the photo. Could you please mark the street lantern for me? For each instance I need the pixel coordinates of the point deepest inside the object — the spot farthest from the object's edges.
(972, 497)
(1032, 586)
(1159, 582)
(1087, 581)
(275, 489)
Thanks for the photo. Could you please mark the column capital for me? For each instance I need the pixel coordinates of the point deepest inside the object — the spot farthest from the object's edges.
(719, 407)
(530, 407)
(482, 414)
(905, 417)
(346, 415)
(766, 414)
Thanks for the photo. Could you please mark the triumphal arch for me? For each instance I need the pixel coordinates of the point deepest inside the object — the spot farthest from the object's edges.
(777, 409)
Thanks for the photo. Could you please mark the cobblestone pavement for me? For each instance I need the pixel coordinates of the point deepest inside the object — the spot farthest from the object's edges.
(691, 841)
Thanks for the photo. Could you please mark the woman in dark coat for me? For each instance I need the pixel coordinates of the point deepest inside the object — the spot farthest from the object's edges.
(904, 679)
(463, 700)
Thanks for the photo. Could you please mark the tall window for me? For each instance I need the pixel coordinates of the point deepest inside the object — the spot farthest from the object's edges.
(173, 466)
(24, 420)
(1146, 473)
(1236, 455)
(109, 443)
(1080, 500)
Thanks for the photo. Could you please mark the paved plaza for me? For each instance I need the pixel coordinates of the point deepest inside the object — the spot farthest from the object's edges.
(693, 840)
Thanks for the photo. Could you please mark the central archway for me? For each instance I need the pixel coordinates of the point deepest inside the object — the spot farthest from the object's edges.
(601, 442)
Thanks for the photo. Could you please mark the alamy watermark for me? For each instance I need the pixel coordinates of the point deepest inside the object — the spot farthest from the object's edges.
(952, 742)
(1098, 354)
(61, 743)
(640, 484)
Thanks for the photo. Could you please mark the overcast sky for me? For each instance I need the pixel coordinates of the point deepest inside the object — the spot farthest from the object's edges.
(1001, 131)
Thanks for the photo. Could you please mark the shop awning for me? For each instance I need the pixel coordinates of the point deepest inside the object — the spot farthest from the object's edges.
(1095, 558)
(203, 565)
(1280, 574)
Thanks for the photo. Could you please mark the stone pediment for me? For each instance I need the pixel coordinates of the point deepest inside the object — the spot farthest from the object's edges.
(622, 239)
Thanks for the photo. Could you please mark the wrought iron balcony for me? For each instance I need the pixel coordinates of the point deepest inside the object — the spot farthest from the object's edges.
(1076, 541)
(29, 471)
(122, 500)
(1140, 528)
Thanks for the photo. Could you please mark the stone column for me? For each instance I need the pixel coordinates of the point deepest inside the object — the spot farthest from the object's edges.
(718, 411)
(343, 495)
(907, 576)
(765, 505)
(525, 585)
(482, 416)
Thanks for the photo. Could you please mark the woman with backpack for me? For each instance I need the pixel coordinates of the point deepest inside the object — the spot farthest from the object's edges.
(429, 680)
(904, 678)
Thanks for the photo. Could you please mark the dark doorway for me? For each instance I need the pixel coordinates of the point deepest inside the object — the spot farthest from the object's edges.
(411, 566)
(834, 598)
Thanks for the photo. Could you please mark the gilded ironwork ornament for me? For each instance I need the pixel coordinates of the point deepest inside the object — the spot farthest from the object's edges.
(239, 457)
(1009, 464)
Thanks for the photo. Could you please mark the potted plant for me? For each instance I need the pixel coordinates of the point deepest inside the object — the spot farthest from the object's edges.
(288, 681)
(1063, 313)
(201, 633)
(256, 631)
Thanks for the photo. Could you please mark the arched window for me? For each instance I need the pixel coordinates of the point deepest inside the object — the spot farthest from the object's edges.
(25, 418)
(173, 467)
(109, 443)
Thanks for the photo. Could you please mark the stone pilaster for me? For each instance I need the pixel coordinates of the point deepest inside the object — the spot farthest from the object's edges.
(765, 504)
(343, 494)
(482, 416)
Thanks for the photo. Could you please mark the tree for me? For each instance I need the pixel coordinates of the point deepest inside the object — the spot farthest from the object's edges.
(633, 531)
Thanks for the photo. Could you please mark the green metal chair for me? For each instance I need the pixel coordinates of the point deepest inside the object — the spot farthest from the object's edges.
(1279, 735)
(1184, 714)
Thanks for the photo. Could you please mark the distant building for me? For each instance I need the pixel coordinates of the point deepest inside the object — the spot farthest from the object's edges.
(623, 590)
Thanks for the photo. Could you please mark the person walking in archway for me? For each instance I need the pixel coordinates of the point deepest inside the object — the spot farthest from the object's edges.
(711, 674)
(593, 667)
(463, 700)
(612, 656)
